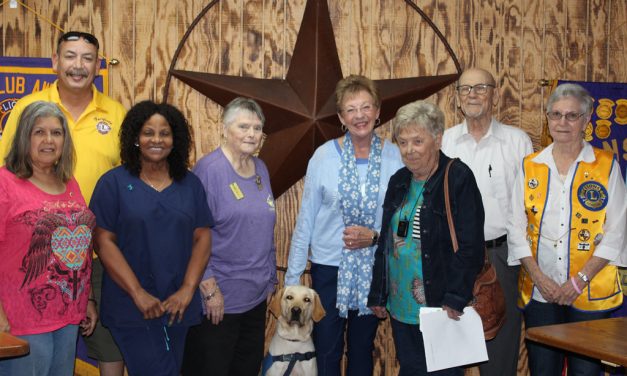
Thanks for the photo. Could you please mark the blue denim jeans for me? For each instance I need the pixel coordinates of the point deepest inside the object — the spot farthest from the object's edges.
(410, 352)
(51, 354)
(549, 361)
(328, 334)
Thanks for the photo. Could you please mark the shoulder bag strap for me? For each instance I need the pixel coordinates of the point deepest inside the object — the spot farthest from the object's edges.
(447, 203)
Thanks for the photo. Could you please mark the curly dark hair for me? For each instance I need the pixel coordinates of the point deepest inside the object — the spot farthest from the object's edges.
(178, 159)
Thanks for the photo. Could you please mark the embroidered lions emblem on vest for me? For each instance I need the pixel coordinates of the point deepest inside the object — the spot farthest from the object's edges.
(592, 195)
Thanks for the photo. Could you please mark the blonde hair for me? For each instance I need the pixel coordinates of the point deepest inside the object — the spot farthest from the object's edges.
(352, 85)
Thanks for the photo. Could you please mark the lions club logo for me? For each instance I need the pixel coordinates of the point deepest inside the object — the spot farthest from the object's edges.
(103, 126)
(592, 195)
(5, 109)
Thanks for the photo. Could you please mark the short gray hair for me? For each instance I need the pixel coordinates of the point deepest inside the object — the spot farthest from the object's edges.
(574, 91)
(19, 161)
(239, 104)
(419, 114)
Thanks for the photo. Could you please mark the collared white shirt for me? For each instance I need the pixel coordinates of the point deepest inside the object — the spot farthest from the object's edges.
(493, 160)
(557, 216)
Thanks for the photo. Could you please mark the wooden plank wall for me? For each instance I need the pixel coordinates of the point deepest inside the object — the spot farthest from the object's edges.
(521, 41)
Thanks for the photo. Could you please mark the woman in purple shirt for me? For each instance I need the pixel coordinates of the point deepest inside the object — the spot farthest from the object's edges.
(241, 273)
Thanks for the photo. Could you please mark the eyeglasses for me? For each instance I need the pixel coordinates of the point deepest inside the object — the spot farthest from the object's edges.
(570, 116)
(365, 109)
(478, 89)
(71, 36)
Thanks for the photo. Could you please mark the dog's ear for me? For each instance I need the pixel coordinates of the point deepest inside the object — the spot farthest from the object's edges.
(318, 310)
(275, 303)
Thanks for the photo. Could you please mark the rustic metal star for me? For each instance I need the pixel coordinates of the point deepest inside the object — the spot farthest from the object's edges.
(300, 110)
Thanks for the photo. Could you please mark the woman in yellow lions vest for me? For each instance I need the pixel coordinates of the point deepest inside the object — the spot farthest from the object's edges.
(567, 230)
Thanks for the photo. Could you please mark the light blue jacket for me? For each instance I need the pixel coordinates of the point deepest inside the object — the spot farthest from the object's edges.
(320, 225)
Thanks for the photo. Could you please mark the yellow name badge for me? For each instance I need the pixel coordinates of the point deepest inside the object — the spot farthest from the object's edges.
(236, 191)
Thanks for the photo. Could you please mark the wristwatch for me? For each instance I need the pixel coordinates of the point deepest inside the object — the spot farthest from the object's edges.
(583, 277)
(375, 238)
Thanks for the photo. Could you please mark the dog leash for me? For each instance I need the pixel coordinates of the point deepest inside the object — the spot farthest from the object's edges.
(292, 359)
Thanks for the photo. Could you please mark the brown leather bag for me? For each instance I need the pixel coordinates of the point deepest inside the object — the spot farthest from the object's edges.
(488, 299)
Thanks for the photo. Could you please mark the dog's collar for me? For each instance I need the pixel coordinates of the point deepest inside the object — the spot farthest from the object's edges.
(297, 357)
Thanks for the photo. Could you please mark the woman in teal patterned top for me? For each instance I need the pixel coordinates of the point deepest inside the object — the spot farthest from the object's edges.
(415, 264)
(407, 293)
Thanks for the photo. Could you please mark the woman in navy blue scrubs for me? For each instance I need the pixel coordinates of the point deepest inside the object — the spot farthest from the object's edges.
(153, 239)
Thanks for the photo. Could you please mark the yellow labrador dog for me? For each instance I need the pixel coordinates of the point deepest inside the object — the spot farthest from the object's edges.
(291, 349)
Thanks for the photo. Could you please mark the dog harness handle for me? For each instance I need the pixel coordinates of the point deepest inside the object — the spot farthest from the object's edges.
(292, 359)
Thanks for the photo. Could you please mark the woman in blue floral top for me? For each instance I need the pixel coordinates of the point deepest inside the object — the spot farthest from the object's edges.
(338, 225)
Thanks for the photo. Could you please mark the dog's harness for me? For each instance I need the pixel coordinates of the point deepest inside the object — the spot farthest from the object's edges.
(291, 358)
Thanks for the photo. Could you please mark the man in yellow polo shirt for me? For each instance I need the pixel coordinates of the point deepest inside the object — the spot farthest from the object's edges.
(94, 120)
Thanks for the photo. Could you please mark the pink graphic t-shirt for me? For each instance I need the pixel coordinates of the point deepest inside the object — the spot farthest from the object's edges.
(45, 255)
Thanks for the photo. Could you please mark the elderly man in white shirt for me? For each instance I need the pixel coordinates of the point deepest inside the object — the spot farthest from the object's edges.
(493, 151)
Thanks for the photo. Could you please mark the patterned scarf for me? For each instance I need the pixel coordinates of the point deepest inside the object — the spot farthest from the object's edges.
(355, 272)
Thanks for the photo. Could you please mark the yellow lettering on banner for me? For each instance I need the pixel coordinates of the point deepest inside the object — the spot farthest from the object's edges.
(40, 85)
(625, 149)
(13, 85)
(36, 86)
(612, 148)
(21, 85)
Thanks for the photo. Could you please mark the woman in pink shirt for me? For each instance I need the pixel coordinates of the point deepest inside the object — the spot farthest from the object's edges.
(45, 246)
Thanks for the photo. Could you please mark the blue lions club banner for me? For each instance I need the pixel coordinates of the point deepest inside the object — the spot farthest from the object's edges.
(20, 76)
(607, 128)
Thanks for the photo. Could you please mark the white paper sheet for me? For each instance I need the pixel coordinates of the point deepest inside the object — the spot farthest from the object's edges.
(449, 343)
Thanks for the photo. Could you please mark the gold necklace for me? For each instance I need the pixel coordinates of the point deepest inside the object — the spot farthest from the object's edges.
(156, 187)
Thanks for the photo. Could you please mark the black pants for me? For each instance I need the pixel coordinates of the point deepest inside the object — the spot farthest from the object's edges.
(410, 352)
(234, 347)
(328, 333)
